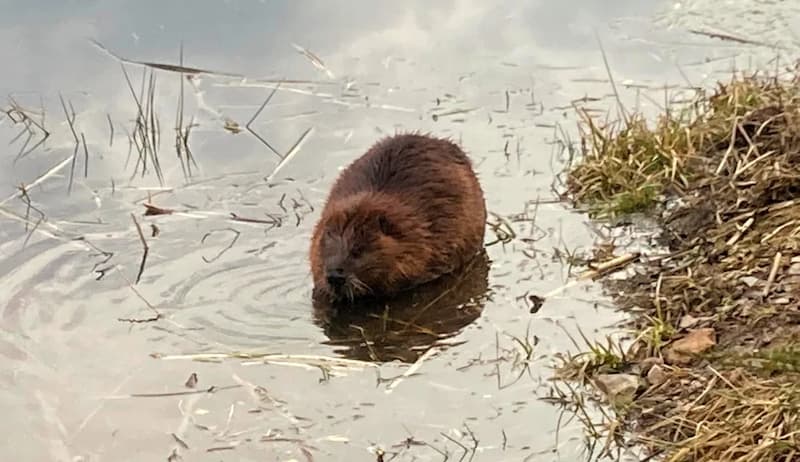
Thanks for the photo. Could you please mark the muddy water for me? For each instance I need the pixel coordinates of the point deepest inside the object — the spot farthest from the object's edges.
(90, 375)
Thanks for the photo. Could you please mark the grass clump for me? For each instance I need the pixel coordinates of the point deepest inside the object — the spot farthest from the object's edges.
(716, 319)
(731, 132)
(628, 164)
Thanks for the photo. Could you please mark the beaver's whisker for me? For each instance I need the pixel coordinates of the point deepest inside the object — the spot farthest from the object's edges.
(330, 295)
(361, 285)
(402, 270)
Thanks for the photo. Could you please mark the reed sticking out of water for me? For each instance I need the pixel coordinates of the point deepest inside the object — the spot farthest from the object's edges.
(146, 134)
(182, 132)
(23, 194)
(712, 369)
(85, 157)
(110, 131)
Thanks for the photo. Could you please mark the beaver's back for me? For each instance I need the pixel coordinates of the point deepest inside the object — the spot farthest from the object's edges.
(432, 173)
(435, 178)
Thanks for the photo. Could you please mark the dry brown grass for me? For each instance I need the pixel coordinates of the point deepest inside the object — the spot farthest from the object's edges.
(731, 162)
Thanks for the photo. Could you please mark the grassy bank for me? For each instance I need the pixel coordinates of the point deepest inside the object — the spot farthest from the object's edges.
(712, 369)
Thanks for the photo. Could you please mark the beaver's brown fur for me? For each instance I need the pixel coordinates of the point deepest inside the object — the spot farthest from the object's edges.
(408, 211)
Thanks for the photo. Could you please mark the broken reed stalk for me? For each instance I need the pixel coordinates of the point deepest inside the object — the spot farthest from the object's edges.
(18, 115)
(71, 122)
(255, 115)
(156, 314)
(145, 248)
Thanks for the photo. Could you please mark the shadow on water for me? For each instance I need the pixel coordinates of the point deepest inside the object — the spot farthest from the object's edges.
(406, 326)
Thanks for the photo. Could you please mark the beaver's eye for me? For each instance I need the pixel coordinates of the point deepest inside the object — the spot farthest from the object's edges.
(356, 251)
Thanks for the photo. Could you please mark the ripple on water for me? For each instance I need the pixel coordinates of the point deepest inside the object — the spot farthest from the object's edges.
(33, 281)
(246, 303)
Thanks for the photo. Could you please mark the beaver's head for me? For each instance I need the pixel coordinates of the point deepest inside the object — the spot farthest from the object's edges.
(368, 245)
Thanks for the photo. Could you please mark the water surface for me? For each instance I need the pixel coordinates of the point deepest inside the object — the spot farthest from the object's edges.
(85, 379)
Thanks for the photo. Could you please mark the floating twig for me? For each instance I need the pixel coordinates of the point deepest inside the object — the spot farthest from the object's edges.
(733, 38)
(411, 369)
(154, 210)
(209, 390)
(163, 66)
(228, 247)
(290, 155)
(274, 221)
(140, 320)
(315, 61)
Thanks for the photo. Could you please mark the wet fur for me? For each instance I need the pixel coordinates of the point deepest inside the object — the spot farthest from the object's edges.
(405, 213)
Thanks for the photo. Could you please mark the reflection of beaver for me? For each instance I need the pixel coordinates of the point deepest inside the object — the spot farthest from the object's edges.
(407, 325)
(405, 213)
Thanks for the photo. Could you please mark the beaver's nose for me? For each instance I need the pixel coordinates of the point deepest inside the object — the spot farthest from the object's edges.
(335, 277)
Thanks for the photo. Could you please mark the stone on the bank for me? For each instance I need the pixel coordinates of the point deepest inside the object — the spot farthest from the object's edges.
(688, 321)
(656, 375)
(751, 281)
(618, 388)
(683, 350)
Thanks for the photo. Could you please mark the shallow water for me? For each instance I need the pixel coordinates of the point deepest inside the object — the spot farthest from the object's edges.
(84, 382)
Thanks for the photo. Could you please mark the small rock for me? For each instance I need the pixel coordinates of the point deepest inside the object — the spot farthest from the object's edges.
(656, 375)
(619, 388)
(647, 363)
(751, 281)
(683, 350)
(688, 321)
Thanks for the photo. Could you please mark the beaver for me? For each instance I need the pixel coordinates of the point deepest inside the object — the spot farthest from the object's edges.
(408, 211)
